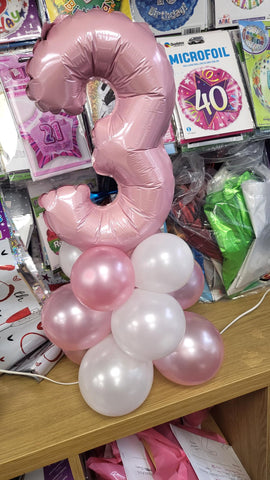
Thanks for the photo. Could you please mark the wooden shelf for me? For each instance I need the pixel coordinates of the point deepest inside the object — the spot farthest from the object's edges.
(42, 423)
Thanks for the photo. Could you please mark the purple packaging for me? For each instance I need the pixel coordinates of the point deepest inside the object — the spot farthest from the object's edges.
(19, 21)
(56, 471)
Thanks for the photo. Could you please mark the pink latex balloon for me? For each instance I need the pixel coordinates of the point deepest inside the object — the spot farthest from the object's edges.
(75, 356)
(198, 356)
(128, 143)
(102, 278)
(69, 324)
(190, 293)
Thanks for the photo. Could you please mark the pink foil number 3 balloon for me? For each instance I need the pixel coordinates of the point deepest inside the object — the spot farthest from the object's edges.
(128, 142)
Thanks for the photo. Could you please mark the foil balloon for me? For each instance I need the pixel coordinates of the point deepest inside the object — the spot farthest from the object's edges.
(128, 142)
(226, 98)
(260, 79)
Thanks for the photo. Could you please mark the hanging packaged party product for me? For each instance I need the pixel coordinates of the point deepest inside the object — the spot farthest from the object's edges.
(237, 206)
(229, 12)
(101, 102)
(21, 295)
(18, 203)
(14, 158)
(211, 99)
(191, 179)
(54, 8)
(256, 46)
(54, 144)
(19, 21)
(227, 213)
(166, 17)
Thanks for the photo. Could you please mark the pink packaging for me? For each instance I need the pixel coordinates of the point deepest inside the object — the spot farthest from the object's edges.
(195, 419)
(169, 135)
(53, 144)
(166, 458)
(107, 466)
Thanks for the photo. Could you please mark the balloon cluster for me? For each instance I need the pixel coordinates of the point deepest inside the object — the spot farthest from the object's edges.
(121, 313)
(119, 316)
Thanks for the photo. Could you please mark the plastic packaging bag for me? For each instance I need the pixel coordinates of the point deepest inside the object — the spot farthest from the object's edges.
(191, 180)
(166, 458)
(237, 205)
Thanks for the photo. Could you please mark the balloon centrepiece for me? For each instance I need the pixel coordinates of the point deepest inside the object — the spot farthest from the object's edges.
(198, 356)
(102, 278)
(69, 324)
(117, 315)
(128, 145)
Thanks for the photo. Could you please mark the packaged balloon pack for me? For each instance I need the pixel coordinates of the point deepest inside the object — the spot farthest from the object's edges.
(54, 8)
(21, 294)
(19, 21)
(237, 206)
(167, 17)
(229, 12)
(256, 46)
(101, 100)
(53, 144)
(211, 100)
(13, 155)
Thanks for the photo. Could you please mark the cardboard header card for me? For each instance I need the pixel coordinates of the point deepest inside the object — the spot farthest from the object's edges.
(211, 98)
